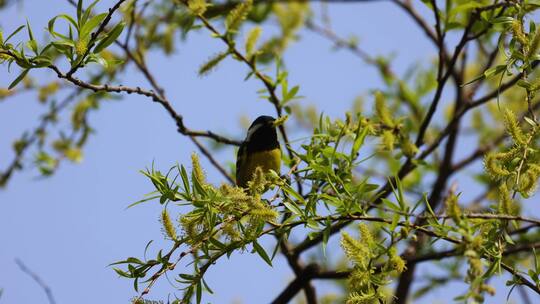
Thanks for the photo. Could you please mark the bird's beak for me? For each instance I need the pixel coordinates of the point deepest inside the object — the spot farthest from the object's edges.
(279, 121)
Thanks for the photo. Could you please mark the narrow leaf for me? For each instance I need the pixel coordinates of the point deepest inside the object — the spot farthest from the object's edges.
(260, 250)
(18, 79)
(110, 38)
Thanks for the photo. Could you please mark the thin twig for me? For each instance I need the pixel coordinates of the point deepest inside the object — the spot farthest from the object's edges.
(270, 87)
(94, 36)
(37, 279)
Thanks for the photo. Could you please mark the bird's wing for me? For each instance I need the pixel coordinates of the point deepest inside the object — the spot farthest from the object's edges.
(241, 158)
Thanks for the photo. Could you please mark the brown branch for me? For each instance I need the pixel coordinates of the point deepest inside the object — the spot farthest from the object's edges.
(481, 151)
(341, 43)
(308, 273)
(94, 36)
(155, 97)
(442, 78)
(383, 68)
(406, 278)
(445, 169)
(132, 17)
(521, 278)
(302, 276)
(270, 87)
(428, 257)
(424, 26)
(212, 160)
(492, 216)
(158, 97)
(38, 280)
(16, 163)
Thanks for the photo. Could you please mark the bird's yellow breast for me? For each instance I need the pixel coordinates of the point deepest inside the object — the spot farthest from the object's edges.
(267, 160)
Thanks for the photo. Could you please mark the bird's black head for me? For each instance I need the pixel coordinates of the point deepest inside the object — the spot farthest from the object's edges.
(262, 134)
(262, 120)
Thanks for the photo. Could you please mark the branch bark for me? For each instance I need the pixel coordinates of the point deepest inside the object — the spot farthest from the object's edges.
(38, 280)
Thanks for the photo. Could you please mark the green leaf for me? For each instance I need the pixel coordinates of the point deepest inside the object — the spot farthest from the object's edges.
(185, 180)
(187, 277)
(293, 208)
(143, 200)
(122, 273)
(475, 79)
(199, 292)
(296, 195)
(207, 287)
(18, 79)
(260, 250)
(390, 204)
(217, 243)
(52, 23)
(15, 33)
(326, 235)
(88, 12)
(209, 65)
(529, 121)
(361, 134)
(32, 44)
(146, 248)
(110, 38)
(525, 84)
(428, 207)
(88, 27)
(508, 238)
(502, 20)
(251, 40)
(488, 73)
(495, 70)
(136, 284)
(79, 10)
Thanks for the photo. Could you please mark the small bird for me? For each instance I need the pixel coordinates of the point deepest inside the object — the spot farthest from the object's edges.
(259, 149)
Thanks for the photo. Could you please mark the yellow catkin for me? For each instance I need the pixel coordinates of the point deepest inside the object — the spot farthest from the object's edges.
(46, 91)
(197, 7)
(81, 47)
(367, 237)
(251, 40)
(382, 111)
(519, 33)
(396, 262)
(506, 205)
(452, 208)
(408, 147)
(493, 167)
(168, 226)
(237, 15)
(5, 93)
(388, 140)
(355, 250)
(198, 172)
(361, 298)
(258, 182)
(513, 128)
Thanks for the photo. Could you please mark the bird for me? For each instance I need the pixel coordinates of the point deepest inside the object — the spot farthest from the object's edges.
(259, 149)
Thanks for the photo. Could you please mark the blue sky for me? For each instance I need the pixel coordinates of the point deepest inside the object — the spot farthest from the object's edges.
(69, 227)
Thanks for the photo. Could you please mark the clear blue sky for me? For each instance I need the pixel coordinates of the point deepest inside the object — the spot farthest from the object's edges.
(69, 227)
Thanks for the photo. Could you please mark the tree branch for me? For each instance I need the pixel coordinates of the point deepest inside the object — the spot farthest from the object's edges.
(428, 257)
(270, 87)
(94, 36)
(38, 280)
(308, 273)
